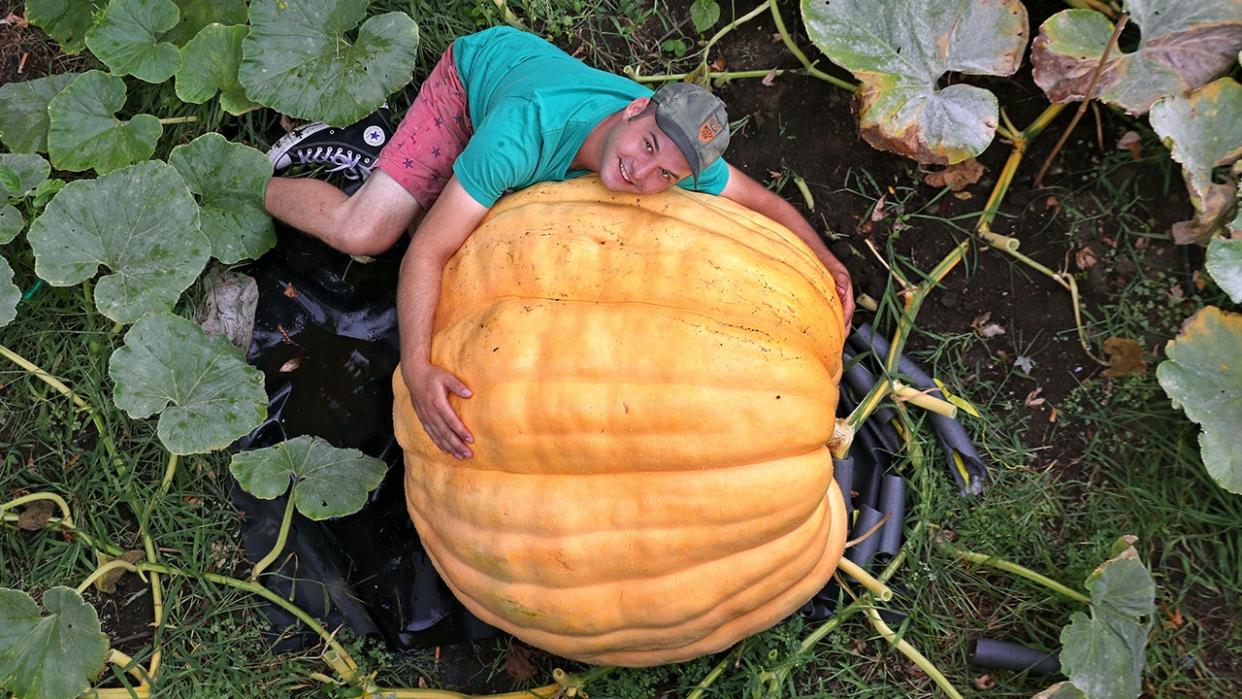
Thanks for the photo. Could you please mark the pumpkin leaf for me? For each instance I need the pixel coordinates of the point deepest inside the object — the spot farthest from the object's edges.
(704, 14)
(54, 656)
(1203, 377)
(23, 111)
(1184, 45)
(328, 482)
(10, 295)
(197, 14)
(28, 171)
(1203, 130)
(229, 180)
(1103, 653)
(66, 21)
(141, 223)
(11, 223)
(85, 133)
(297, 58)
(1224, 263)
(126, 39)
(901, 56)
(209, 65)
(206, 394)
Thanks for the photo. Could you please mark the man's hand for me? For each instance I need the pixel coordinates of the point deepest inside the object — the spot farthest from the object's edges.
(845, 287)
(429, 390)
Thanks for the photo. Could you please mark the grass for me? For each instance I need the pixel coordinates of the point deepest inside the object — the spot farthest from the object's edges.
(1131, 466)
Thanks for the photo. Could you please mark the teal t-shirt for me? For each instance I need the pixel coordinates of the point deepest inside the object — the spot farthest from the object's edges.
(532, 105)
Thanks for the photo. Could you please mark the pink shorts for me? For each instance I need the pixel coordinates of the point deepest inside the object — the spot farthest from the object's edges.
(432, 134)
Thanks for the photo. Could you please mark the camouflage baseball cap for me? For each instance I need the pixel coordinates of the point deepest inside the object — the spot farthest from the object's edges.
(696, 121)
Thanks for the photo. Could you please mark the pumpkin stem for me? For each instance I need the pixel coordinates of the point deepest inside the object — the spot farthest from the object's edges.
(862, 577)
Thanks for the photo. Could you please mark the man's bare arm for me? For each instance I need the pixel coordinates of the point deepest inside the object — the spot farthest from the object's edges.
(744, 190)
(446, 226)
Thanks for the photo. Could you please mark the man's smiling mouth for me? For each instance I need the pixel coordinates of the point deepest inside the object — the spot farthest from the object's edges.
(625, 175)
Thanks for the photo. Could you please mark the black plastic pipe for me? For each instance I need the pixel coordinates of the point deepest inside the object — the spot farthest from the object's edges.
(893, 504)
(1007, 655)
(862, 552)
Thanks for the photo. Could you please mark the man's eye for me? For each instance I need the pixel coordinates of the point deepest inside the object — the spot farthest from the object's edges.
(647, 144)
(666, 174)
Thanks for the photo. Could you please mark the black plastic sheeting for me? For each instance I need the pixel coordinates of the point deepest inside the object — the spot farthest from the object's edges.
(325, 337)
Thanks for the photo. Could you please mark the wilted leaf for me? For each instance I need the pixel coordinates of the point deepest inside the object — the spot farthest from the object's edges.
(1203, 130)
(1125, 357)
(196, 14)
(106, 583)
(297, 58)
(55, 656)
(328, 482)
(29, 169)
(126, 39)
(956, 177)
(900, 56)
(85, 132)
(66, 21)
(229, 180)
(23, 111)
(1133, 142)
(141, 223)
(229, 307)
(36, 515)
(1203, 377)
(206, 394)
(1103, 654)
(1184, 45)
(983, 326)
(1024, 363)
(1224, 263)
(210, 63)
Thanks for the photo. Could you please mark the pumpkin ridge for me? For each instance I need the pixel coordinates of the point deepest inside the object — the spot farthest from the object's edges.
(569, 605)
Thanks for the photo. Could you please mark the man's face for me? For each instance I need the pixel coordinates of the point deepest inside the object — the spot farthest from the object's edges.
(639, 157)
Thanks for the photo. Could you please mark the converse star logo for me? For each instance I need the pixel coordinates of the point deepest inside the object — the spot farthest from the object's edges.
(374, 136)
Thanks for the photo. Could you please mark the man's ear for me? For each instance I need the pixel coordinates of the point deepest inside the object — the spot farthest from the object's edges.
(638, 106)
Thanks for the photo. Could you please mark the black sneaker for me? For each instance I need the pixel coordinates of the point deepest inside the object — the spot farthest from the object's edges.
(350, 152)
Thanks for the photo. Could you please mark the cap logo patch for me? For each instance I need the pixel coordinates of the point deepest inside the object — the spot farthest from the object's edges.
(710, 129)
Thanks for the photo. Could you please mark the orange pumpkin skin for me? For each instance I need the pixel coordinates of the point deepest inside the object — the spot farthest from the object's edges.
(654, 381)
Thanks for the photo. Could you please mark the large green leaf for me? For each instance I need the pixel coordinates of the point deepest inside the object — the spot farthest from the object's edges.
(1203, 376)
(196, 14)
(297, 58)
(899, 56)
(23, 111)
(66, 21)
(9, 294)
(11, 223)
(1103, 654)
(1224, 263)
(85, 132)
(229, 180)
(141, 223)
(1203, 130)
(209, 65)
(49, 657)
(31, 170)
(328, 482)
(206, 394)
(1184, 45)
(127, 40)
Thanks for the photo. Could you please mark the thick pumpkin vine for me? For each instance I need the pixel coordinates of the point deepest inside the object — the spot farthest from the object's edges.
(206, 202)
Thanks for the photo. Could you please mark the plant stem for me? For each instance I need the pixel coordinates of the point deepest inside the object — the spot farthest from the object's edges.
(507, 14)
(797, 52)
(126, 663)
(1086, 99)
(169, 121)
(730, 27)
(169, 472)
(281, 537)
(924, 400)
(1021, 142)
(46, 378)
(716, 671)
(862, 577)
(722, 75)
(103, 570)
(1020, 571)
(912, 653)
(65, 517)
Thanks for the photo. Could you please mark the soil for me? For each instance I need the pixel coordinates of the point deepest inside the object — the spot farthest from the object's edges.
(805, 126)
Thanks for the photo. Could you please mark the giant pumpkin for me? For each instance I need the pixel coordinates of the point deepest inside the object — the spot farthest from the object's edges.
(654, 382)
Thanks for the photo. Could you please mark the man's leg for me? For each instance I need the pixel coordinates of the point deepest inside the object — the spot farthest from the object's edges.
(367, 222)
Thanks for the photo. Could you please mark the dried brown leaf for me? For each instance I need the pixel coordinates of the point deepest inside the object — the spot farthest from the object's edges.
(1033, 400)
(985, 682)
(956, 177)
(1132, 142)
(1085, 258)
(36, 515)
(1125, 357)
(984, 328)
(769, 78)
(291, 365)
